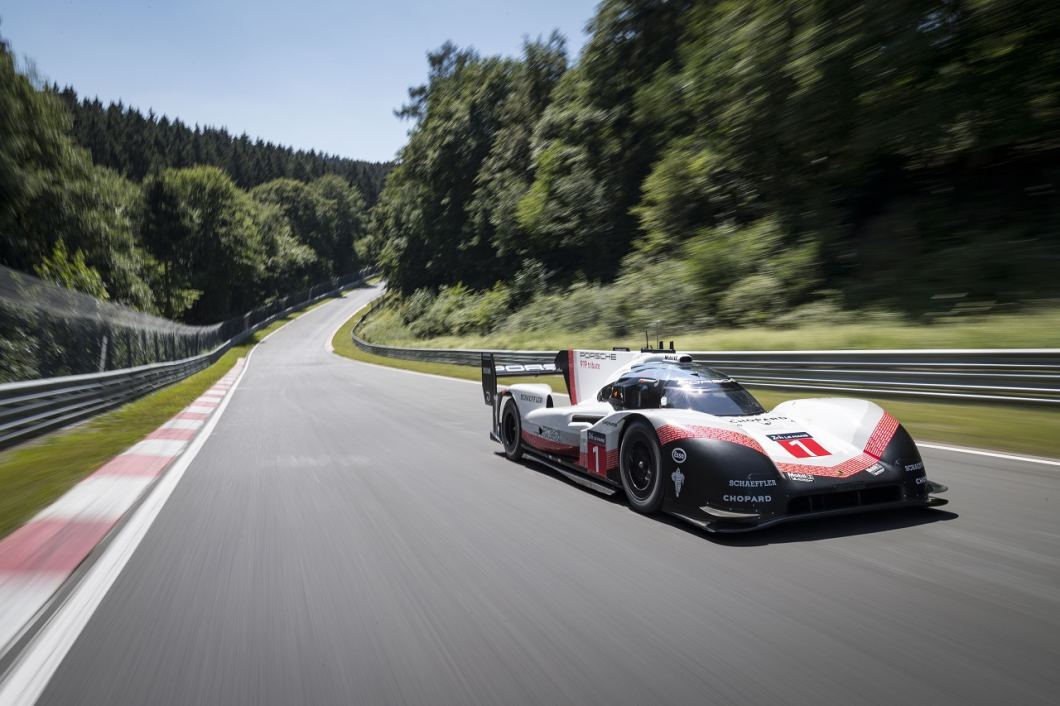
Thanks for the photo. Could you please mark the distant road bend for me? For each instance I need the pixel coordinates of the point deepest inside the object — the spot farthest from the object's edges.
(348, 534)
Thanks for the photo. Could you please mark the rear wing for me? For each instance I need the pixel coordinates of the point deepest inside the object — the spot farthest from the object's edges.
(492, 371)
(583, 371)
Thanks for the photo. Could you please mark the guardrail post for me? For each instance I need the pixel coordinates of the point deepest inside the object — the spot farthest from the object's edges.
(103, 354)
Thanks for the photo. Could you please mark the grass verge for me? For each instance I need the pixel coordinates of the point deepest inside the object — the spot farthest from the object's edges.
(989, 426)
(35, 474)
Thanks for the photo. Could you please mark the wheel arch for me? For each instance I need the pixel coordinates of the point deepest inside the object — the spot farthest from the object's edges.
(629, 419)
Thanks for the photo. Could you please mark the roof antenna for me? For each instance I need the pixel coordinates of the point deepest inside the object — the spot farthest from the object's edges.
(672, 346)
(647, 344)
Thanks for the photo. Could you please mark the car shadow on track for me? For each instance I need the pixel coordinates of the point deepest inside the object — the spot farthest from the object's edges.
(796, 531)
(824, 527)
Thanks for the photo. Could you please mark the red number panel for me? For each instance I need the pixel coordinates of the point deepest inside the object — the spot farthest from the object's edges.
(801, 445)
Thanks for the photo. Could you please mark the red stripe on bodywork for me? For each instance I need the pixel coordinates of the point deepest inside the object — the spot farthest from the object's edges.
(881, 436)
(874, 447)
(669, 433)
(543, 444)
(572, 375)
(854, 465)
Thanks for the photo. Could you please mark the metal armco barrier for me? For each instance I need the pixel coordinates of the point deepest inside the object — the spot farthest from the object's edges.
(1029, 377)
(33, 407)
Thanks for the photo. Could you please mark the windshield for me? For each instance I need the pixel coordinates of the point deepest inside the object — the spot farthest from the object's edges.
(723, 399)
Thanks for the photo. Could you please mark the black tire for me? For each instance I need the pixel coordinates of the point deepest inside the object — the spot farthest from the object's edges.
(640, 465)
(511, 430)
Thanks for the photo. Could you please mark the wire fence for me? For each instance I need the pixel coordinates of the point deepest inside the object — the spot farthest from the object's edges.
(48, 331)
(32, 407)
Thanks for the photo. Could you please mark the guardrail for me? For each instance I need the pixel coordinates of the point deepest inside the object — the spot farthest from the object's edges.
(1029, 377)
(33, 407)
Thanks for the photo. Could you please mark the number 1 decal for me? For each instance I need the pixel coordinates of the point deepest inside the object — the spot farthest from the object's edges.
(800, 445)
(597, 453)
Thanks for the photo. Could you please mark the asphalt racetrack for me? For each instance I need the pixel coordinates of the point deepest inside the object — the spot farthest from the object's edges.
(349, 534)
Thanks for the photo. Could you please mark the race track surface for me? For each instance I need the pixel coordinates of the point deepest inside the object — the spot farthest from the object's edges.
(349, 534)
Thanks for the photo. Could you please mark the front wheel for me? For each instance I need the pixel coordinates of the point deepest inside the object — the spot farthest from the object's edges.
(640, 465)
(511, 430)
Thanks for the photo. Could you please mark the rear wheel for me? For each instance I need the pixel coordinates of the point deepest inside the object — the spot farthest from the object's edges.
(640, 465)
(511, 430)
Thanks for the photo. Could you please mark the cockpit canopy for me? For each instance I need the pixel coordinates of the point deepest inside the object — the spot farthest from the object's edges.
(658, 385)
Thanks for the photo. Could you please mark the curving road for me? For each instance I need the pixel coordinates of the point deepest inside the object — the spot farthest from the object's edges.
(348, 534)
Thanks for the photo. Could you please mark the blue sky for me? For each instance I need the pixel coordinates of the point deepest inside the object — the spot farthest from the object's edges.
(320, 74)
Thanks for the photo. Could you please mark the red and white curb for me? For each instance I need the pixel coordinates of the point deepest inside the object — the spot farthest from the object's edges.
(38, 557)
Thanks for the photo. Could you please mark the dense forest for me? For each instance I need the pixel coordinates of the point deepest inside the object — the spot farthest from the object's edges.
(135, 145)
(150, 214)
(707, 162)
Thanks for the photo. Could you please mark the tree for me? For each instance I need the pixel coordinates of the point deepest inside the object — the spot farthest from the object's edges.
(311, 220)
(202, 228)
(344, 214)
(57, 210)
(425, 216)
(506, 173)
(135, 145)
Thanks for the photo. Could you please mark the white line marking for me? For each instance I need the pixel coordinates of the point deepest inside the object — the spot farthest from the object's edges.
(992, 454)
(38, 662)
(97, 497)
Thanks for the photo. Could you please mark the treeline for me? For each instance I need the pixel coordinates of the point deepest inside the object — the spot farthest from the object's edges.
(135, 145)
(184, 242)
(709, 161)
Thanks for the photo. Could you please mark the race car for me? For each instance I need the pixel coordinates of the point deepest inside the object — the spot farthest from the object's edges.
(678, 437)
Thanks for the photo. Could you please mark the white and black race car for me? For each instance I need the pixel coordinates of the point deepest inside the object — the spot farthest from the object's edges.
(682, 438)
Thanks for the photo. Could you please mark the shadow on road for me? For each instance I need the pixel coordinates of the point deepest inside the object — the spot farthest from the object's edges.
(797, 531)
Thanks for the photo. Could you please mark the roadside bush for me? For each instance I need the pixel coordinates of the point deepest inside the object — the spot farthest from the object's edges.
(754, 300)
(414, 306)
(440, 316)
(483, 312)
(661, 295)
(825, 309)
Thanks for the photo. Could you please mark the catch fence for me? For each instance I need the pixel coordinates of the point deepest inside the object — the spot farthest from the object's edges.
(90, 338)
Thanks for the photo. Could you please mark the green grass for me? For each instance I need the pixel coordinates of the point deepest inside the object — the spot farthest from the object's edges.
(33, 475)
(999, 427)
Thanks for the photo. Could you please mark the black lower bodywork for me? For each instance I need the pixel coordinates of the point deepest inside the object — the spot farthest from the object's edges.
(720, 486)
